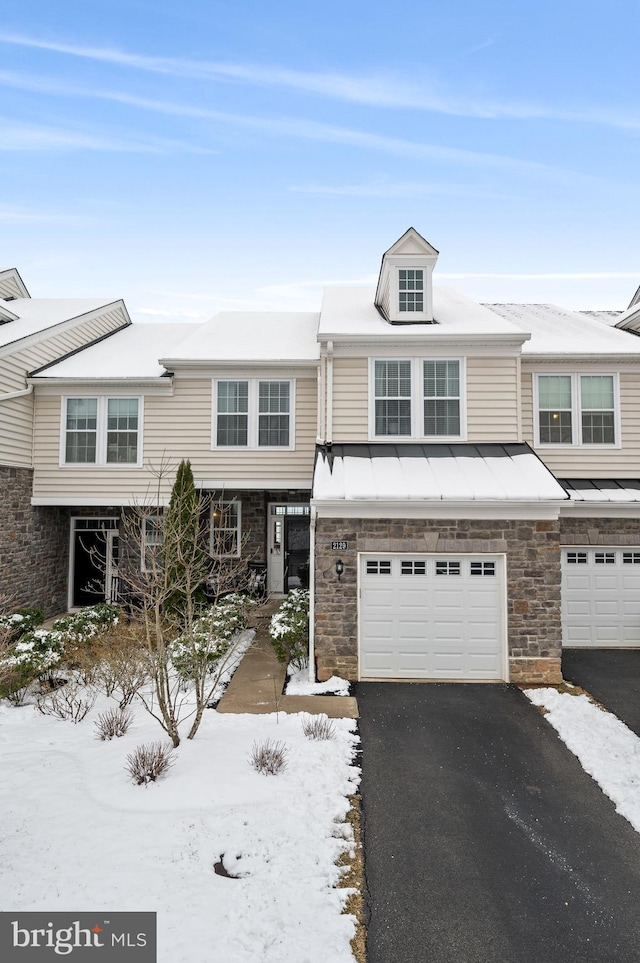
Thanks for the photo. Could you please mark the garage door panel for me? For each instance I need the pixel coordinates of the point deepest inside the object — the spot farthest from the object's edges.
(601, 604)
(432, 617)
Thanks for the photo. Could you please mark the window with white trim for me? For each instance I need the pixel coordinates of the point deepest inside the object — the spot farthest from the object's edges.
(577, 409)
(101, 431)
(225, 530)
(417, 398)
(411, 289)
(151, 548)
(252, 413)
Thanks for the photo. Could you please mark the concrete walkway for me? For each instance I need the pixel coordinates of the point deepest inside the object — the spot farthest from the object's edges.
(258, 682)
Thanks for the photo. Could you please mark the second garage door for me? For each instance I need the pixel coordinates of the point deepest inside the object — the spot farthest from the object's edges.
(432, 617)
(601, 597)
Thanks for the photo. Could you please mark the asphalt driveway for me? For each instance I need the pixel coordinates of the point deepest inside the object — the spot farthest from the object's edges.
(485, 841)
(612, 676)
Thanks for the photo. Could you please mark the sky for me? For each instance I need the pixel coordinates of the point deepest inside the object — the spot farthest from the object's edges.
(210, 155)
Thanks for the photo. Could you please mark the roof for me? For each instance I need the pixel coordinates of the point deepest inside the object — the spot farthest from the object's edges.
(131, 352)
(425, 472)
(602, 489)
(39, 314)
(559, 331)
(607, 317)
(350, 312)
(251, 336)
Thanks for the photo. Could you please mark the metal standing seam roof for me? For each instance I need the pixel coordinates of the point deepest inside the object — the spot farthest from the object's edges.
(602, 489)
(438, 472)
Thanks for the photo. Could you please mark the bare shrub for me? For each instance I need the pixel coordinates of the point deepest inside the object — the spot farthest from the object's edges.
(72, 702)
(123, 666)
(113, 723)
(318, 727)
(269, 757)
(149, 761)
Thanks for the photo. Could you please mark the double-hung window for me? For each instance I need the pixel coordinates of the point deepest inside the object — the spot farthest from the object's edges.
(152, 538)
(417, 398)
(101, 431)
(577, 409)
(411, 289)
(225, 530)
(253, 413)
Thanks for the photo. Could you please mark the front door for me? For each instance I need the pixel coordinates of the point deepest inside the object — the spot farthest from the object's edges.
(93, 561)
(288, 547)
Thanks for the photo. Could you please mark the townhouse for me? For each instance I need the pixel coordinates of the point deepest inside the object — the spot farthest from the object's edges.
(458, 483)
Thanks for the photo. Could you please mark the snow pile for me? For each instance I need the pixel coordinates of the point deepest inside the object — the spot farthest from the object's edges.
(298, 684)
(79, 835)
(605, 747)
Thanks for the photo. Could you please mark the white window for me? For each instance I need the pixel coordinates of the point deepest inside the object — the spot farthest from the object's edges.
(418, 398)
(251, 413)
(101, 431)
(225, 530)
(411, 289)
(151, 548)
(577, 409)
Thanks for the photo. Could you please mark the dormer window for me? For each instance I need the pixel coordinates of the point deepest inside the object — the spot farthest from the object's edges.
(411, 289)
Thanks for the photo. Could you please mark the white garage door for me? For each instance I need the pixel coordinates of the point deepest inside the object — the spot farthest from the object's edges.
(601, 597)
(432, 617)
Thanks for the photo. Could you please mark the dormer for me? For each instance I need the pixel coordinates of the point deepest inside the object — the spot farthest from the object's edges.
(405, 291)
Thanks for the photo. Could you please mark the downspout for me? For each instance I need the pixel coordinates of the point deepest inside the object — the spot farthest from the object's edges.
(21, 393)
(329, 433)
(312, 593)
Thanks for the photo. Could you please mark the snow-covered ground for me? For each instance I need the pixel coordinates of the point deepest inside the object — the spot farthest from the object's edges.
(605, 747)
(298, 684)
(77, 834)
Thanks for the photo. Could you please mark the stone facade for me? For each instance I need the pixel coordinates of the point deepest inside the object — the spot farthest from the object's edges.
(34, 546)
(532, 549)
(599, 531)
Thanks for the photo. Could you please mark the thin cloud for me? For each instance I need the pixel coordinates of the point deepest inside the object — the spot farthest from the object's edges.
(375, 90)
(388, 189)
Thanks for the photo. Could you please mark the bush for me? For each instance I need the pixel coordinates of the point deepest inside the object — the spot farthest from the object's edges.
(269, 757)
(24, 620)
(211, 638)
(150, 761)
(87, 624)
(33, 656)
(113, 723)
(289, 629)
(72, 701)
(318, 727)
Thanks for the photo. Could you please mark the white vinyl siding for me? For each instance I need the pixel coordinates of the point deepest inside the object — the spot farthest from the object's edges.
(593, 461)
(175, 426)
(16, 416)
(350, 399)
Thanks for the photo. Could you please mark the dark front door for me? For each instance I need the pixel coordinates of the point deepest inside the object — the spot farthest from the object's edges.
(296, 552)
(92, 566)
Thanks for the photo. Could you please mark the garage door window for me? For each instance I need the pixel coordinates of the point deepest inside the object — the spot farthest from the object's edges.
(377, 567)
(413, 568)
(605, 558)
(577, 558)
(483, 568)
(447, 568)
(631, 558)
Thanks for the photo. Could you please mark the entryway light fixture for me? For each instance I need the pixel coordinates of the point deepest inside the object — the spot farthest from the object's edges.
(339, 568)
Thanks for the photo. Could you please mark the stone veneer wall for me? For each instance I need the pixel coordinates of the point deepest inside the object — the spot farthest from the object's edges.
(34, 546)
(533, 584)
(599, 531)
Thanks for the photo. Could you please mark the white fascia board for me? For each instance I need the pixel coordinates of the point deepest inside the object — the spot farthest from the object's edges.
(249, 484)
(92, 501)
(433, 349)
(203, 369)
(433, 334)
(571, 509)
(338, 508)
(599, 357)
(55, 329)
(273, 369)
(103, 386)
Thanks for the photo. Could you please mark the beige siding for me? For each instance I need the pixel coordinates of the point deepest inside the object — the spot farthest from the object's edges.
(175, 427)
(350, 399)
(16, 415)
(577, 462)
(492, 402)
(10, 288)
(491, 399)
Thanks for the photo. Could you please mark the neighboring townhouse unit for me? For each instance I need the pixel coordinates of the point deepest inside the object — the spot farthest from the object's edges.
(459, 483)
(33, 332)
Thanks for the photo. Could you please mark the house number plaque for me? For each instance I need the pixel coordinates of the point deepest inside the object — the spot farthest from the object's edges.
(339, 546)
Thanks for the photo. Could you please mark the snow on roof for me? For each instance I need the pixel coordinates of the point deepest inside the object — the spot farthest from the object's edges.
(132, 352)
(607, 317)
(351, 312)
(38, 314)
(251, 336)
(602, 489)
(558, 331)
(460, 472)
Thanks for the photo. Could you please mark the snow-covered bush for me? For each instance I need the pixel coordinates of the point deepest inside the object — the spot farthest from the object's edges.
(34, 656)
(318, 727)
(289, 629)
(24, 620)
(269, 757)
(113, 723)
(86, 624)
(149, 761)
(211, 637)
